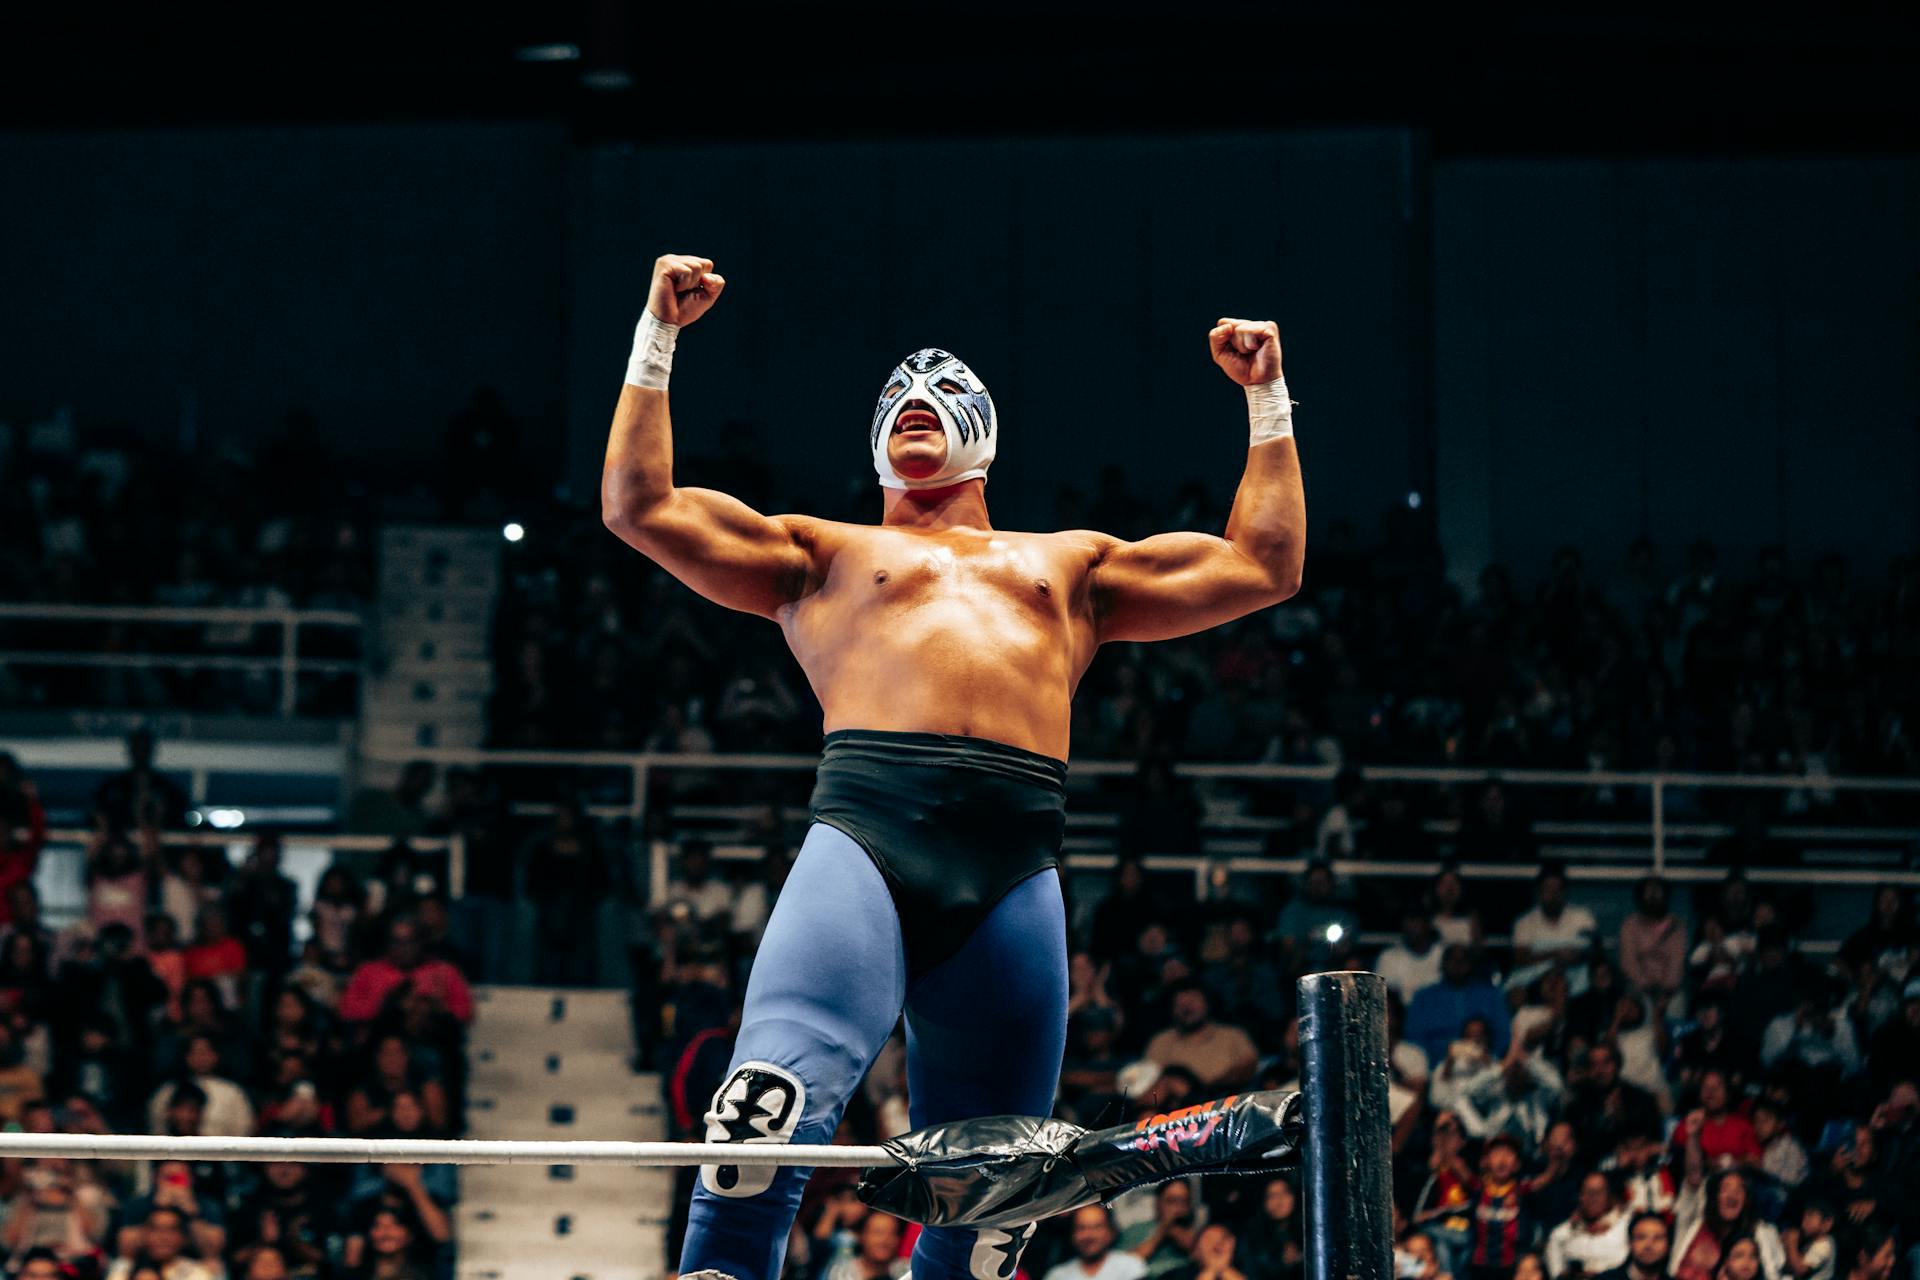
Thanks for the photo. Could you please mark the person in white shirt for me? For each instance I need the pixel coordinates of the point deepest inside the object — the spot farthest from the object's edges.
(1093, 1254)
(697, 890)
(1414, 961)
(1594, 1238)
(1555, 929)
(227, 1112)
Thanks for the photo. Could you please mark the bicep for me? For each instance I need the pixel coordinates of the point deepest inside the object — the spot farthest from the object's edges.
(723, 549)
(1174, 584)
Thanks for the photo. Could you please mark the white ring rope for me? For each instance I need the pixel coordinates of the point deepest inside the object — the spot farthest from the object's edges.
(125, 1146)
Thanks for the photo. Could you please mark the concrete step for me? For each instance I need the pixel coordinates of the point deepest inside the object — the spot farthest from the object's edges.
(648, 1192)
(546, 1004)
(545, 1267)
(557, 1118)
(520, 1065)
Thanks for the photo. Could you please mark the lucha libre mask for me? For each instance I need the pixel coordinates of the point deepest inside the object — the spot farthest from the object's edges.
(957, 397)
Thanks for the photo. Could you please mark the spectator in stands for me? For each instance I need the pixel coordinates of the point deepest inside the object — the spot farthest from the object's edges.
(261, 904)
(164, 1242)
(1124, 912)
(1872, 1252)
(1555, 930)
(1710, 1216)
(20, 1084)
(568, 880)
(1721, 1135)
(1273, 1240)
(189, 886)
(395, 1072)
(60, 1208)
(405, 962)
(23, 831)
(697, 894)
(140, 795)
(339, 909)
(1649, 1248)
(1314, 922)
(1439, 1013)
(175, 1185)
(402, 812)
(1606, 1110)
(1242, 985)
(1455, 921)
(1782, 1158)
(225, 1109)
(1093, 1236)
(1414, 961)
(1493, 831)
(217, 956)
(1814, 1043)
(389, 1248)
(1594, 1239)
(1653, 944)
(1165, 1243)
(287, 1215)
(117, 877)
(1810, 1245)
(1220, 1055)
(1895, 1047)
(426, 1189)
(1501, 1222)
(1520, 1096)
(1159, 813)
(876, 1253)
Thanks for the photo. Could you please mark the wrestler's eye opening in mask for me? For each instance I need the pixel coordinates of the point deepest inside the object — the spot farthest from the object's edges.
(893, 391)
(951, 387)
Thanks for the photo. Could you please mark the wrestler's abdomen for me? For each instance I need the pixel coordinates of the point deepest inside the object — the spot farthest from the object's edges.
(966, 634)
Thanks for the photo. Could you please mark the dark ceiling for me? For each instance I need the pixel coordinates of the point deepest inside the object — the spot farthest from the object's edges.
(1479, 78)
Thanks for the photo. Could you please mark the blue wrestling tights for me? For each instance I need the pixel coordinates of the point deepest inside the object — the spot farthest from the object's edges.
(986, 1029)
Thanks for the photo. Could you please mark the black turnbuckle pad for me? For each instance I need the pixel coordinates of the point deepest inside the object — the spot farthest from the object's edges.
(1001, 1171)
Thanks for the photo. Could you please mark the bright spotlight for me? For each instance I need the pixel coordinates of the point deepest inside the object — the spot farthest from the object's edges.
(1335, 933)
(513, 532)
(1413, 500)
(225, 819)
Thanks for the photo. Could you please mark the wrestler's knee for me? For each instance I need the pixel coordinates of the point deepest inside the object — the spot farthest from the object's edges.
(758, 1103)
(959, 1253)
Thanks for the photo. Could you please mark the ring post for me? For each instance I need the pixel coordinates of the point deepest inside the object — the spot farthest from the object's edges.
(1349, 1144)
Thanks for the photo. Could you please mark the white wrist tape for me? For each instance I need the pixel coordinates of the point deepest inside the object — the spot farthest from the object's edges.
(652, 358)
(1269, 412)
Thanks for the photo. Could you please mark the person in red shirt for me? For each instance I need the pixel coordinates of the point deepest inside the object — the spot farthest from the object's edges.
(217, 956)
(406, 961)
(1726, 1136)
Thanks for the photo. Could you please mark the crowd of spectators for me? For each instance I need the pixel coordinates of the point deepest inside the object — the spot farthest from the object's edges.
(111, 516)
(1769, 666)
(1693, 1096)
(179, 1004)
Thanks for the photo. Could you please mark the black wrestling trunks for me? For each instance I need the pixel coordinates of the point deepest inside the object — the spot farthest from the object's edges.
(952, 822)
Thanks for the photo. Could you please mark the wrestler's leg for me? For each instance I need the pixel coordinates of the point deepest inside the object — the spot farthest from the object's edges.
(824, 994)
(986, 1029)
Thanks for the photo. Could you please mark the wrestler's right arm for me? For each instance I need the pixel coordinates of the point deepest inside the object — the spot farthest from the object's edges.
(716, 544)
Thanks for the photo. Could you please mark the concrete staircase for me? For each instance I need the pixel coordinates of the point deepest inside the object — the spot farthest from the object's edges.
(553, 1065)
(431, 673)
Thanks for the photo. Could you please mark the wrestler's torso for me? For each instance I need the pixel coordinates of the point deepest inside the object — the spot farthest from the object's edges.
(959, 631)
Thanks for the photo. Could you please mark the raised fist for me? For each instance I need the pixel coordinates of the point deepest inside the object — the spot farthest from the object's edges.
(1249, 350)
(683, 288)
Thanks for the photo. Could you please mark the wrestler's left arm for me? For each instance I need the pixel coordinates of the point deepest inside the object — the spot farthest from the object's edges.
(1173, 584)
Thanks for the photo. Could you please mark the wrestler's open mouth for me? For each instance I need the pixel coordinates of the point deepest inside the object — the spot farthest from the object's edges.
(915, 419)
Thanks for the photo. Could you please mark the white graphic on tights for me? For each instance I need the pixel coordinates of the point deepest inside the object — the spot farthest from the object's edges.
(758, 1103)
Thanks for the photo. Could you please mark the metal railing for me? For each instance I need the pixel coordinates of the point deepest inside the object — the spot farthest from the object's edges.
(285, 661)
(61, 879)
(1655, 836)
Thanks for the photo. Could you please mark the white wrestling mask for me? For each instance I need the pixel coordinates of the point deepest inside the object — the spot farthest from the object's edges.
(957, 397)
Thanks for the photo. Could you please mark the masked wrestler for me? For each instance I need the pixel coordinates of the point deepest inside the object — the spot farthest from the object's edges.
(945, 654)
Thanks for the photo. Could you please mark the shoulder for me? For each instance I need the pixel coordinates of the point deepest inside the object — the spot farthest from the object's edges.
(1123, 1266)
(1090, 543)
